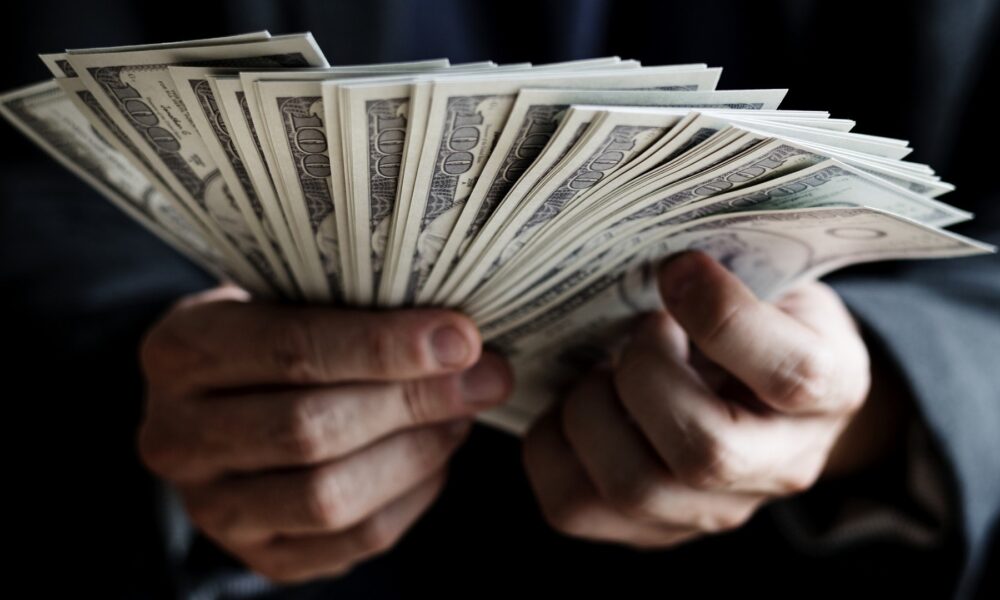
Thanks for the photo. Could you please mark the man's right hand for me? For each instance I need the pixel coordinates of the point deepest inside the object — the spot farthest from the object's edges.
(306, 439)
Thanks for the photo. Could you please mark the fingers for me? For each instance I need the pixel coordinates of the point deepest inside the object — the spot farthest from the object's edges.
(229, 343)
(570, 502)
(328, 498)
(709, 443)
(630, 476)
(201, 440)
(296, 559)
(790, 366)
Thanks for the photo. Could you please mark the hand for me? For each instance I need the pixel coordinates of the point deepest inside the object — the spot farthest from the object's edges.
(306, 439)
(669, 443)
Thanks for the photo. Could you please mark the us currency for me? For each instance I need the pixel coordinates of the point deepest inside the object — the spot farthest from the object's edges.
(187, 225)
(172, 214)
(239, 123)
(826, 184)
(47, 114)
(135, 88)
(902, 173)
(858, 142)
(239, 99)
(478, 265)
(697, 141)
(293, 117)
(59, 66)
(360, 282)
(673, 187)
(740, 163)
(374, 126)
(464, 119)
(713, 148)
(769, 251)
(371, 117)
(417, 116)
(206, 115)
(532, 121)
(564, 234)
(743, 161)
(611, 141)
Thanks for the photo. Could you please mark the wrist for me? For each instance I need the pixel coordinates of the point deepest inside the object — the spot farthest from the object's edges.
(878, 430)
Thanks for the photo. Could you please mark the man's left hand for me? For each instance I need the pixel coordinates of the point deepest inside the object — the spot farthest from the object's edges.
(671, 442)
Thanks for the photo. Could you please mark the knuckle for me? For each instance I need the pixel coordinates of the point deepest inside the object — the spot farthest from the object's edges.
(157, 453)
(218, 516)
(383, 350)
(416, 402)
(803, 378)
(636, 496)
(706, 462)
(162, 351)
(326, 499)
(173, 346)
(304, 436)
(569, 517)
(377, 535)
(293, 348)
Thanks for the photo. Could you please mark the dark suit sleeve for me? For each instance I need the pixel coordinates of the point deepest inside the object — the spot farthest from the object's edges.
(938, 324)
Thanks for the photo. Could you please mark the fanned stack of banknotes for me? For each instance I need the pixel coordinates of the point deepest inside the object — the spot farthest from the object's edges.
(535, 198)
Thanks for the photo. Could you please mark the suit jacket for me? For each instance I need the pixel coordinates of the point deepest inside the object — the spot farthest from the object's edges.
(81, 282)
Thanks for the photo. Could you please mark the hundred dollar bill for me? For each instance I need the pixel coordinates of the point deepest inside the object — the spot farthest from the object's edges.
(372, 117)
(240, 99)
(374, 126)
(206, 114)
(293, 118)
(88, 106)
(136, 90)
(48, 116)
(464, 120)
(611, 141)
(825, 184)
(371, 192)
(733, 160)
(674, 188)
(60, 67)
(868, 144)
(473, 270)
(712, 180)
(235, 112)
(698, 141)
(533, 118)
(769, 251)
(382, 241)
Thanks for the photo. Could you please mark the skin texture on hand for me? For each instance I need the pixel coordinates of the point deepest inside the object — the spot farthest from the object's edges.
(716, 405)
(306, 439)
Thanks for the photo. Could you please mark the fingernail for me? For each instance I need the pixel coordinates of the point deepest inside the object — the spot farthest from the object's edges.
(677, 275)
(484, 382)
(450, 347)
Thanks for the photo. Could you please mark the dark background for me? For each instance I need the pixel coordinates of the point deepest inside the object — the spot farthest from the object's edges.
(81, 283)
